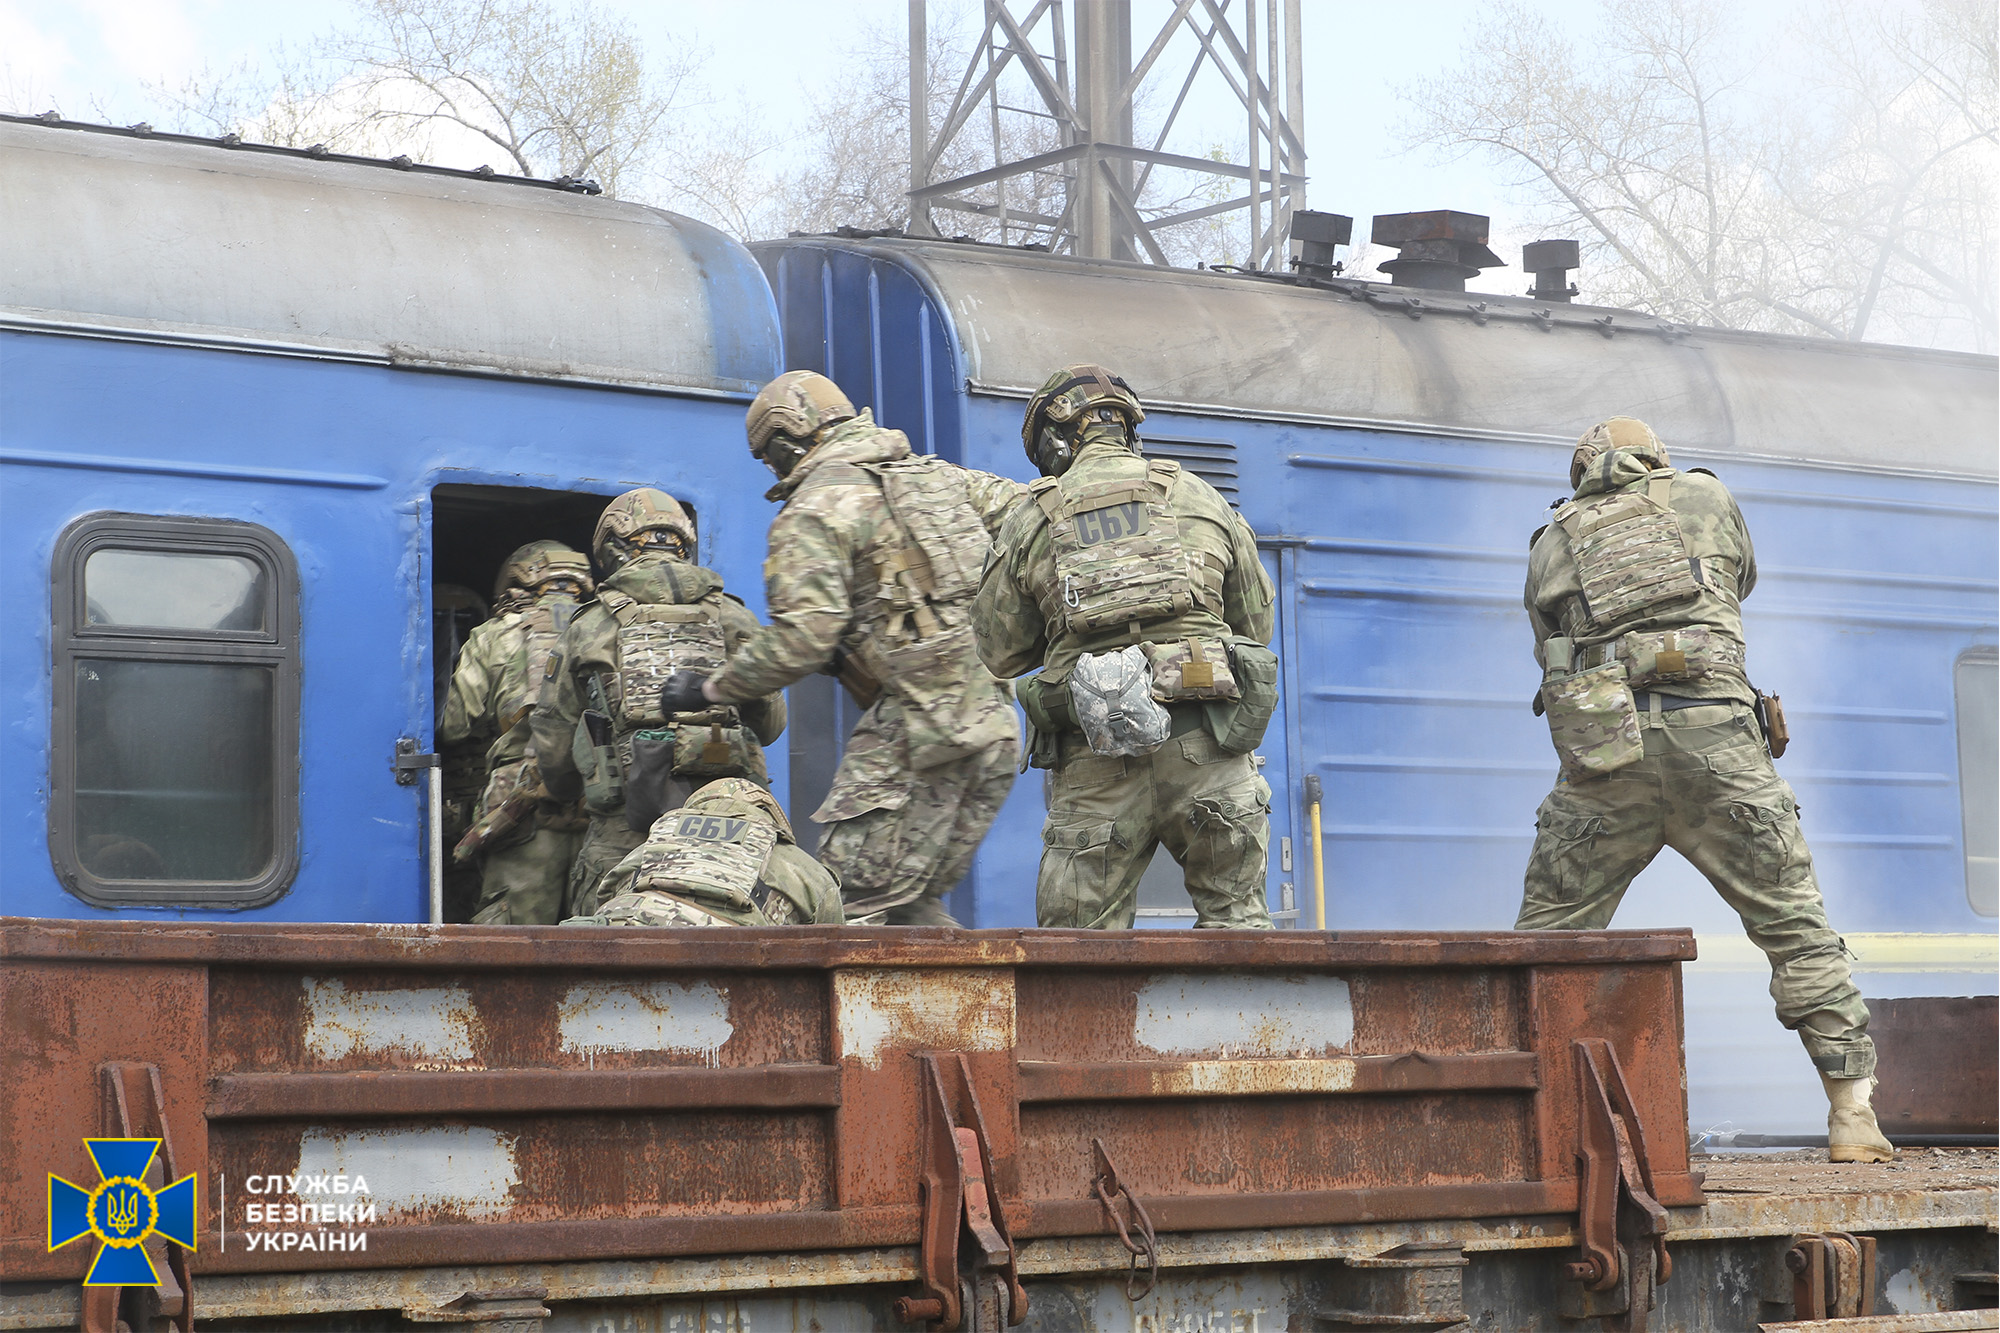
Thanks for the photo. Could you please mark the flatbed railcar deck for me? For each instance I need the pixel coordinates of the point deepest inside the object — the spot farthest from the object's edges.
(839, 1127)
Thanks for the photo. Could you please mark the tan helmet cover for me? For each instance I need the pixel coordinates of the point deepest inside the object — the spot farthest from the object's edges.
(801, 403)
(534, 564)
(740, 795)
(635, 512)
(1627, 433)
(1069, 393)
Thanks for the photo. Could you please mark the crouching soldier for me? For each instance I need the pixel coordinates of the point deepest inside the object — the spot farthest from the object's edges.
(726, 858)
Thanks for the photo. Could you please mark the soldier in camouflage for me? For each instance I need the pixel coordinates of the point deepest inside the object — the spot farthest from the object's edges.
(1634, 591)
(1138, 592)
(726, 858)
(873, 563)
(522, 874)
(600, 732)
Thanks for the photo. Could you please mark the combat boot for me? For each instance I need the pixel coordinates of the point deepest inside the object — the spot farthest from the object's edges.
(1851, 1132)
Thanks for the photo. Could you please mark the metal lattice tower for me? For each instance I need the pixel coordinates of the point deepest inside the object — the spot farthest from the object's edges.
(1086, 83)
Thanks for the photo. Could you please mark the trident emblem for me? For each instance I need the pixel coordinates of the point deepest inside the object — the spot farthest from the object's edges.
(121, 1212)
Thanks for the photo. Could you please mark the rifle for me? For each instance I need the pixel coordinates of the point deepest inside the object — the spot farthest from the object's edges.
(504, 818)
(861, 686)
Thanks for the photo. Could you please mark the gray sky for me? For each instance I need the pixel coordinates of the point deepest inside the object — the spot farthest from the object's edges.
(91, 58)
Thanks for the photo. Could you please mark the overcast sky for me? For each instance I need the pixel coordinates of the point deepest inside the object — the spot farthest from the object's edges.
(91, 58)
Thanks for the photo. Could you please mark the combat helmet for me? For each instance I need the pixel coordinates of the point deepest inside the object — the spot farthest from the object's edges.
(1627, 433)
(523, 573)
(797, 405)
(642, 520)
(736, 793)
(1066, 398)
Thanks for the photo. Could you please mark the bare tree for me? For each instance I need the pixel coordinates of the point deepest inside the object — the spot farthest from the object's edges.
(1705, 197)
(557, 89)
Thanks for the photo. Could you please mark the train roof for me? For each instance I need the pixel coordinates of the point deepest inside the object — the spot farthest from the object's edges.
(1350, 352)
(128, 233)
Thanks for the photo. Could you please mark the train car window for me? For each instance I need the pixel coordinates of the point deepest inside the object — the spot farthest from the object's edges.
(1976, 683)
(174, 741)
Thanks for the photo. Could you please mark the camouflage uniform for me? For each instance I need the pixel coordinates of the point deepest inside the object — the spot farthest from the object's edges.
(523, 873)
(587, 671)
(726, 858)
(1201, 797)
(1659, 772)
(850, 580)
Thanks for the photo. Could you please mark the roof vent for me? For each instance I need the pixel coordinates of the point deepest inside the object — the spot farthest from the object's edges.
(1550, 262)
(1315, 235)
(1439, 250)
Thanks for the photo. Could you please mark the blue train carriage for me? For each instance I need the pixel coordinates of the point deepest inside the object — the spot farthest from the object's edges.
(258, 410)
(1394, 450)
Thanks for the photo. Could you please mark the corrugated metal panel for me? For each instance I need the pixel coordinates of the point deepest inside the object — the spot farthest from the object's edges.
(1363, 353)
(371, 263)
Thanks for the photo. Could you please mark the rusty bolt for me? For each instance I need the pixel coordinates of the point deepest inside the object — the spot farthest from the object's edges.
(1585, 1270)
(918, 1309)
(1795, 1259)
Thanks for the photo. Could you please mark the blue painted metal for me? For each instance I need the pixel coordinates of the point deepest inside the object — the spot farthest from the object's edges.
(339, 460)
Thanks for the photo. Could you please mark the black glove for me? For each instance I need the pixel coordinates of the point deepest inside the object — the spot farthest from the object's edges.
(681, 693)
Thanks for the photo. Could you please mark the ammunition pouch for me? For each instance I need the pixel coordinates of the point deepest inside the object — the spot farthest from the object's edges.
(594, 748)
(1196, 667)
(714, 745)
(1047, 705)
(1663, 657)
(1593, 720)
(1238, 724)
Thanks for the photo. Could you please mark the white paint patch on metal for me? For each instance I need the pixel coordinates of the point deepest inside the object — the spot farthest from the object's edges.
(454, 1168)
(645, 1016)
(907, 1009)
(1288, 1014)
(1242, 1078)
(434, 1025)
(1904, 1294)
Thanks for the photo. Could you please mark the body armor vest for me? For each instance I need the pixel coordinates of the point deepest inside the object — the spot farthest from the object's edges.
(654, 641)
(1119, 559)
(1631, 556)
(712, 863)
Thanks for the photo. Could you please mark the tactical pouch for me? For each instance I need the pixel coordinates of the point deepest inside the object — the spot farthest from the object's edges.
(1771, 721)
(1196, 667)
(1671, 656)
(705, 750)
(949, 708)
(1593, 721)
(650, 788)
(1112, 695)
(1049, 716)
(1238, 725)
(596, 759)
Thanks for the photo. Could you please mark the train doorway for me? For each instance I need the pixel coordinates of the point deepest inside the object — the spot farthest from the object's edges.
(474, 528)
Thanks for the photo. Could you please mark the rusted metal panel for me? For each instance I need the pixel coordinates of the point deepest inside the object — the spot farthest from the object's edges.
(532, 1096)
(1938, 1068)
